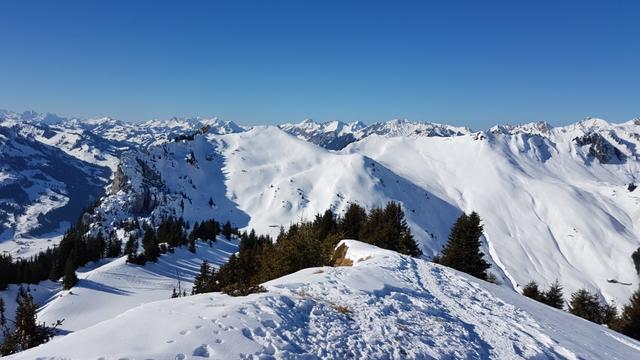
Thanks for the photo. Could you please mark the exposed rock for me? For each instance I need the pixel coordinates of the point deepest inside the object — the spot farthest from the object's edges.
(601, 149)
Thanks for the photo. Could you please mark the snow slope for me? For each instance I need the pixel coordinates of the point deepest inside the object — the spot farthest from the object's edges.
(551, 209)
(110, 288)
(385, 306)
(244, 178)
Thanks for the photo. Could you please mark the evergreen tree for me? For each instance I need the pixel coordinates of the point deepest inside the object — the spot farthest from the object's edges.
(586, 305)
(531, 291)
(630, 318)
(150, 245)
(192, 245)
(352, 222)
(227, 230)
(28, 332)
(3, 318)
(636, 260)
(70, 279)
(554, 296)
(610, 316)
(203, 279)
(388, 229)
(131, 250)
(325, 224)
(462, 252)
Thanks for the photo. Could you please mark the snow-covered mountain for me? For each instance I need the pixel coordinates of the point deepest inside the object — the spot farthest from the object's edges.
(335, 135)
(42, 190)
(555, 201)
(384, 306)
(53, 167)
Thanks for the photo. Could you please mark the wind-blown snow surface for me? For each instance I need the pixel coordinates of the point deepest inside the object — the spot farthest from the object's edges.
(385, 306)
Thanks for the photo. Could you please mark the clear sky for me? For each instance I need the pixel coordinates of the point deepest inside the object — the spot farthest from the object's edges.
(473, 63)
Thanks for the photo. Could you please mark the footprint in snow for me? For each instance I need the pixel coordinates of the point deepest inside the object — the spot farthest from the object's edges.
(269, 323)
(180, 356)
(203, 350)
(184, 332)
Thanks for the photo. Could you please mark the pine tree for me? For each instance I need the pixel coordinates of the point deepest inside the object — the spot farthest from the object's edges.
(585, 305)
(630, 318)
(227, 230)
(388, 229)
(150, 246)
(202, 280)
(131, 249)
(70, 279)
(28, 332)
(352, 222)
(3, 319)
(636, 260)
(554, 296)
(462, 252)
(531, 291)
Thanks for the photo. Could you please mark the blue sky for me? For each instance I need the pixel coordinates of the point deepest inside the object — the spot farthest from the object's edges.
(473, 63)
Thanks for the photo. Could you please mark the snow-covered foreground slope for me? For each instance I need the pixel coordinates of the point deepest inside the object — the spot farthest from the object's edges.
(385, 306)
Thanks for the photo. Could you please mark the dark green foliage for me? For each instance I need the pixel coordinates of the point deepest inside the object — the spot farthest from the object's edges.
(636, 260)
(586, 305)
(70, 279)
(307, 244)
(531, 291)
(131, 250)
(207, 230)
(172, 232)
(554, 297)
(462, 252)
(150, 245)
(113, 246)
(205, 280)
(387, 228)
(630, 317)
(227, 230)
(28, 333)
(352, 221)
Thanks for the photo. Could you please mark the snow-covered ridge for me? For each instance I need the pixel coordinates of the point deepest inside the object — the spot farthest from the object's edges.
(385, 306)
(335, 135)
(554, 200)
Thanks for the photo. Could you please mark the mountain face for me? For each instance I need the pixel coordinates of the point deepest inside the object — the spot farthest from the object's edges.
(335, 135)
(42, 188)
(53, 167)
(555, 202)
(384, 306)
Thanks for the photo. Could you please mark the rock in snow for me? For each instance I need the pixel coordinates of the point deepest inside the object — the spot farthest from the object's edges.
(385, 306)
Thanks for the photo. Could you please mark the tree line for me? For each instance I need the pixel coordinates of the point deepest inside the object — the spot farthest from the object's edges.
(305, 244)
(588, 305)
